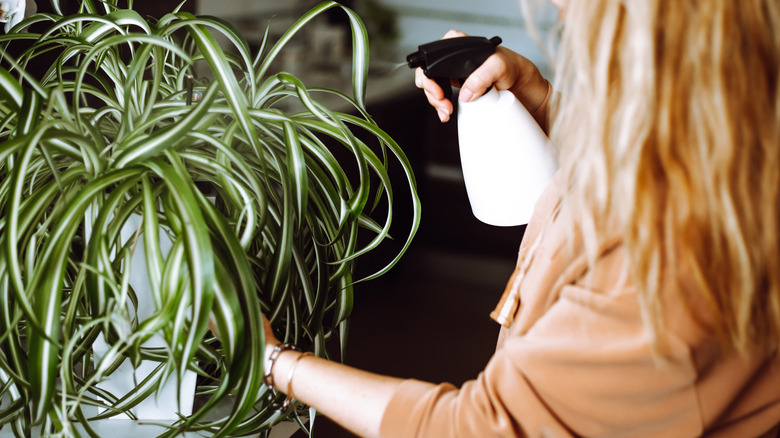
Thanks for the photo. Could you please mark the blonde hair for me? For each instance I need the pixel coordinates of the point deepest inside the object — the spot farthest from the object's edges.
(668, 129)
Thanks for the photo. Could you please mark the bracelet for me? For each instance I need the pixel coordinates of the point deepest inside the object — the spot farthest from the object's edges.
(290, 374)
(268, 378)
(546, 98)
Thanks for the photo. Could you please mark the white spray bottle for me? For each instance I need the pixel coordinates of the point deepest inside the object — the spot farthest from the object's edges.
(506, 158)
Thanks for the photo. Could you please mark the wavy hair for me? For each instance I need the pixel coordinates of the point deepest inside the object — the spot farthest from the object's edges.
(668, 127)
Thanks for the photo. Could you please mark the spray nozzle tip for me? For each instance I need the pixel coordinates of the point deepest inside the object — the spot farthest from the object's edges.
(416, 59)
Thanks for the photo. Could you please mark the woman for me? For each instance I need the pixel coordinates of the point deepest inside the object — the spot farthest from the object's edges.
(646, 299)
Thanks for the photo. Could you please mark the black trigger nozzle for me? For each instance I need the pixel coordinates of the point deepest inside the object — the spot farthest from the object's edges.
(416, 59)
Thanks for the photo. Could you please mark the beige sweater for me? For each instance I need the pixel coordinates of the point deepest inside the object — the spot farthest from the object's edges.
(575, 360)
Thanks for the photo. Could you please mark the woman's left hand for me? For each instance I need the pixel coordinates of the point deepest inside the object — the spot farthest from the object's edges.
(355, 399)
(270, 339)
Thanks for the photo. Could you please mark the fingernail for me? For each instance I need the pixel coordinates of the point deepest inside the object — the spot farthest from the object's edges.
(443, 116)
(465, 95)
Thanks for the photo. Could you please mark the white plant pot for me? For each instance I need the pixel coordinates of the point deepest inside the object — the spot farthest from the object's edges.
(164, 404)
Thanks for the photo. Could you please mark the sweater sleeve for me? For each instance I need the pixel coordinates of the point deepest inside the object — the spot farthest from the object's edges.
(583, 368)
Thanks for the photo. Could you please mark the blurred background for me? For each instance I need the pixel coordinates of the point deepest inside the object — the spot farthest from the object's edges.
(428, 318)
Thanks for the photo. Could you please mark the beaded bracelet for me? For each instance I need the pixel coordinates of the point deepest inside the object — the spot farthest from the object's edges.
(268, 378)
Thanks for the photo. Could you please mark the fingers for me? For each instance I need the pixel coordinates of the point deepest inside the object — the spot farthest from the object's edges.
(494, 71)
(507, 70)
(427, 84)
(434, 94)
(267, 327)
(213, 327)
(504, 70)
(270, 339)
(433, 91)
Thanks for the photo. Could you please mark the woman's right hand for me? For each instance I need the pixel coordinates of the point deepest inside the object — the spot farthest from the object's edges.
(505, 70)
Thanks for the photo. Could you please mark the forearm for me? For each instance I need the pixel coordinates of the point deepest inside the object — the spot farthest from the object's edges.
(353, 398)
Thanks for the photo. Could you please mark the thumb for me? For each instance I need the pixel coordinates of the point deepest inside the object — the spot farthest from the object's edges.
(452, 33)
(475, 85)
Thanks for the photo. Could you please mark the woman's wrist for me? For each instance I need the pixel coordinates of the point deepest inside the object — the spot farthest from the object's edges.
(290, 377)
(542, 106)
(542, 113)
(355, 399)
(272, 356)
(535, 95)
(280, 366)
(532, 91)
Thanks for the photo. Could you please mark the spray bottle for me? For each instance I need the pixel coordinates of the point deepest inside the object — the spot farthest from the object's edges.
(506, 158)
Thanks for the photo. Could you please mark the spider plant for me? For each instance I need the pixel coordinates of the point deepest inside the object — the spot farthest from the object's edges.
(266, 210)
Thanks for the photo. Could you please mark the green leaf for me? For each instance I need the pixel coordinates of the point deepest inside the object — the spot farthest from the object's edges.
(143, 148)
(267, 210)
(10, 90)
(296, 172)
(46, 286)
(236, 98)
(199, 255)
